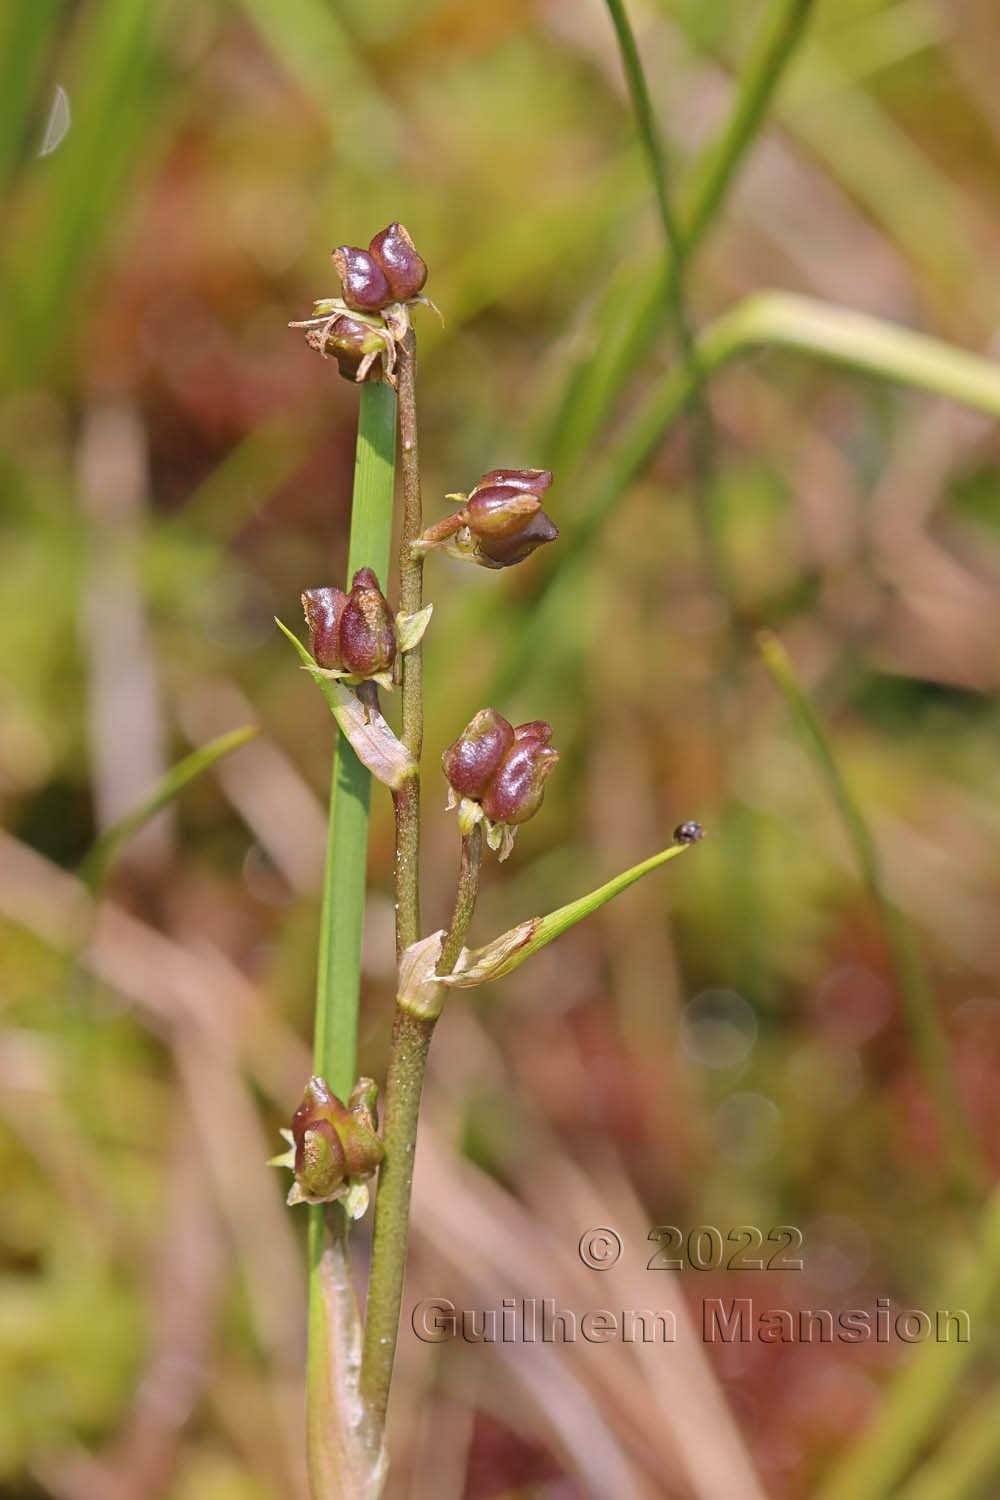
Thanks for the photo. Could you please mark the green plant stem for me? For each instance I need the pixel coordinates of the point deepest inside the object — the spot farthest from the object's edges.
(411, 1040)
(930, 1042)
(779, 320)
(465, 900)
(406, 800)
(338, 973)
(629, 333)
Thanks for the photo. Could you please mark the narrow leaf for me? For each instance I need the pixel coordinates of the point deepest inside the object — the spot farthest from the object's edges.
(103, 853)
(509, 951)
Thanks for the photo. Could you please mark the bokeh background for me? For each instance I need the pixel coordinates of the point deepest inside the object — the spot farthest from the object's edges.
(726, 1044)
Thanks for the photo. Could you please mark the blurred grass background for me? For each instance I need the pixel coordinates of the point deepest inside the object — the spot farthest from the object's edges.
(724, 1045)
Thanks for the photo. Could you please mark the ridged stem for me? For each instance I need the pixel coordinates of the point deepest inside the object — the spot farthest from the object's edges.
(411, 1040)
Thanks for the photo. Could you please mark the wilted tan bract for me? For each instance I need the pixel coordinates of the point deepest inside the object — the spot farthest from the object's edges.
(372, 740)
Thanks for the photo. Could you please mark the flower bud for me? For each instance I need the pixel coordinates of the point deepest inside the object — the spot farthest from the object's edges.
(333, 1144)
(505, 551)
(323, 609)
(403, 268)
(515, 794)
(367, 632)
(362, 279)
(475, 757)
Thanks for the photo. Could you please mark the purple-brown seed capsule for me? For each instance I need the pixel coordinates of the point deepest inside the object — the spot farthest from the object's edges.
(499, 511)
(474, 758)
(404, 269)
(353, 633)
(504, 552)
(367, 632)
(515, 794)
(350, 342)
(332, 1141)
(534, 481)
(362, 279)
(323, 609)
(535, 729)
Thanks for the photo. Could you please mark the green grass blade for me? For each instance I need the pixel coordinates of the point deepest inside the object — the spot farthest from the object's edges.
(317, 50)
(26, 33)
(642, 108)
(701, 426)
(338, 970)
(627, 333)
(338, 962)
(966, 1461)
(105, 850)
(777, 320)
(927, 1034)
(116, 73)
(764, 69)
(258, 465)
(858, 342)
(919, 1396)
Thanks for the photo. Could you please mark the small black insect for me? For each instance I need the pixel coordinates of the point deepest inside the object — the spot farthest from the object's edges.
(688, 833)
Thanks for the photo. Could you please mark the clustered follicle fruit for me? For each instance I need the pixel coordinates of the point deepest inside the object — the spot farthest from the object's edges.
(497, 774)
(362, 326)
(354, 636)
(351, 635)
(499, 523)
(333, 1148)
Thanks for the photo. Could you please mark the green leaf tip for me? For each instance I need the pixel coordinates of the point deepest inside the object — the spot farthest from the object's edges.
(509, 951)
(96, 865)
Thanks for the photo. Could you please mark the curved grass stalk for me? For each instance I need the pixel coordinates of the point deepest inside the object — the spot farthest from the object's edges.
(701, 425)
(96, 866)
(927, 1034)
(779, 320)
(597, 382)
